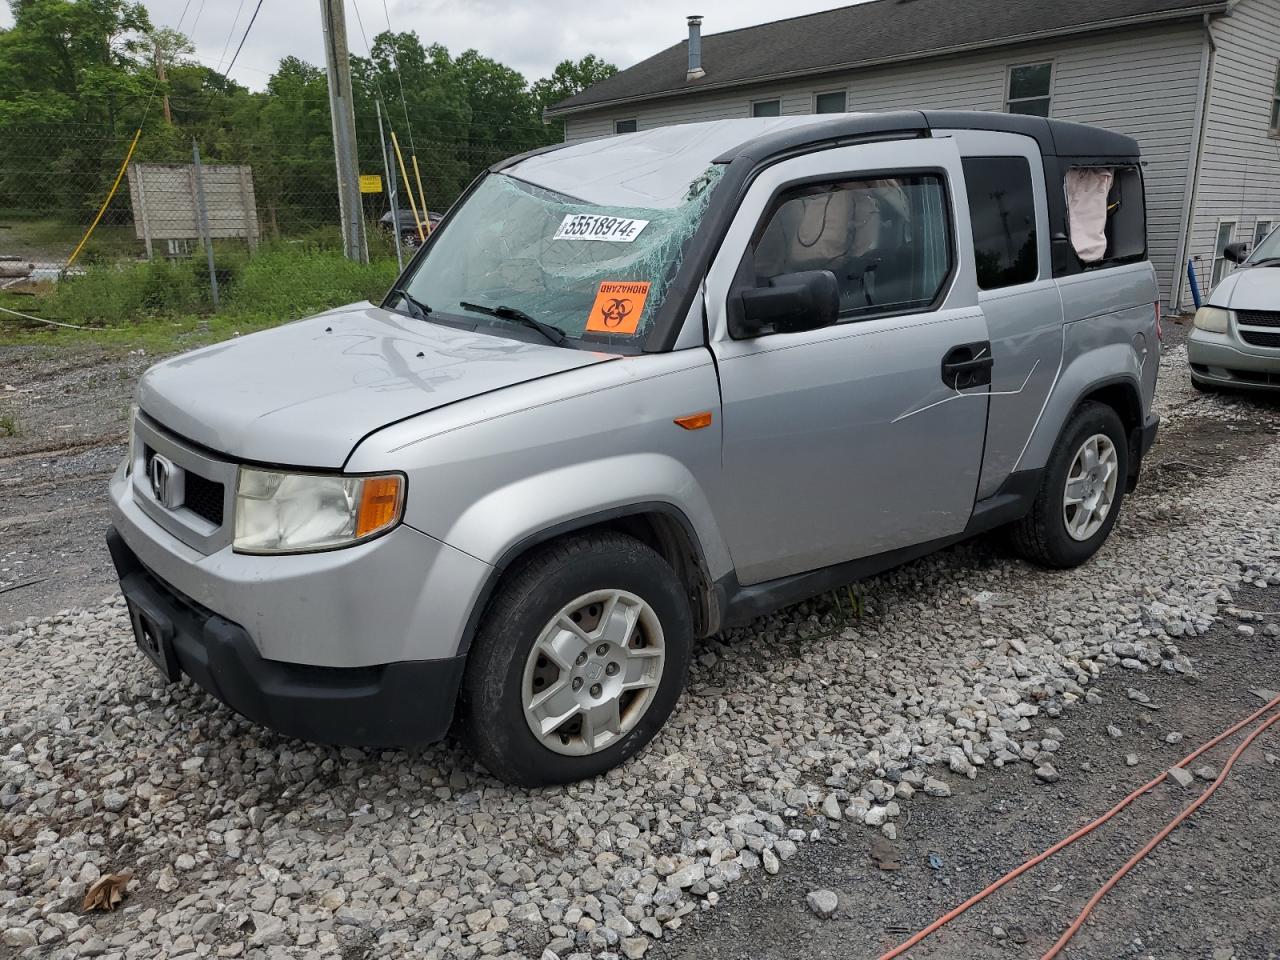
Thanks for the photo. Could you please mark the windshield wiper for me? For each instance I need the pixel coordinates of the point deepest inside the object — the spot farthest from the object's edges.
(416, 308)
(548, 330)
(1265, 262)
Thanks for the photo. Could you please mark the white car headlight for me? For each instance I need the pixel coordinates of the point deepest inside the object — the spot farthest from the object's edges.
(1212, 319)
(298, 512)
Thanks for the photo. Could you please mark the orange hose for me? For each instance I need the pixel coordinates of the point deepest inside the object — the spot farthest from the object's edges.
(1155, 841)
(1084, 831)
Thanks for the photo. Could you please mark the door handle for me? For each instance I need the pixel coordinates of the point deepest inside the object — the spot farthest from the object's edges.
(968, 365)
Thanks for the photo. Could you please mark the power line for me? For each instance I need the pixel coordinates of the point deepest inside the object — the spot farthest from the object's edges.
(226, 72)
(395, 62)
(230, 33)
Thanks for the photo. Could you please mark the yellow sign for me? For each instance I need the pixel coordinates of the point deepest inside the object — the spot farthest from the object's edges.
(370, 183)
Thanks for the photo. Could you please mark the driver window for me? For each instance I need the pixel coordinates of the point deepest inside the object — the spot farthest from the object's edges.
(886, 239)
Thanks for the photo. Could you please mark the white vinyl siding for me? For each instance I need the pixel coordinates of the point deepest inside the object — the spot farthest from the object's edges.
(1240, 163)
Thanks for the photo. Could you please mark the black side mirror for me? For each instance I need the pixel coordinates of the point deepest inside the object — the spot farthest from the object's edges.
(1236, 252)
(790, 303)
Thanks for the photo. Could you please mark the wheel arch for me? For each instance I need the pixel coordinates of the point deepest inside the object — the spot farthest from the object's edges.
(659, 524)
(1119, 388)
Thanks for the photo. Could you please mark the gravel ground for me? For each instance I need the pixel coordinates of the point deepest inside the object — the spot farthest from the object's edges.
(63, 416)
(800, 739)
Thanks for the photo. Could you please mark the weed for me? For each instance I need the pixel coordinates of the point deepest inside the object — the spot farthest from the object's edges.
(8, 427)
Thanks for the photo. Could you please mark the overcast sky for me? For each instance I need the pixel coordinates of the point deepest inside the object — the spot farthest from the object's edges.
(530, 35)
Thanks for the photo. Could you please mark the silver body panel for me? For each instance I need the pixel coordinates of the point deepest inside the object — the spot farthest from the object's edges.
(825, 446)
(844, 442)
(1024, 325)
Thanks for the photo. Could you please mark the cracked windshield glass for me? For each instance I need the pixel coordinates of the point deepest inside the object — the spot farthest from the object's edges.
(588, 268)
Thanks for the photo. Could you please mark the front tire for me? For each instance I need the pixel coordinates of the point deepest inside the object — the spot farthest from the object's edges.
(1080, 493)
(578, 661)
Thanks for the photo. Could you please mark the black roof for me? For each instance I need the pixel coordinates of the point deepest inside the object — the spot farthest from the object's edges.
(869, 33)
(1056, 138)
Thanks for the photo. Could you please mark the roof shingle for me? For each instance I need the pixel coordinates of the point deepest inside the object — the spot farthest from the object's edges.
(868, 33)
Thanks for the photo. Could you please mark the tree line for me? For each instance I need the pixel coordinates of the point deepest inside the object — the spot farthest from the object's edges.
(77, 77)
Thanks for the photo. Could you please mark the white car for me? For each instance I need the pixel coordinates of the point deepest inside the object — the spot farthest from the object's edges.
(1236, 338)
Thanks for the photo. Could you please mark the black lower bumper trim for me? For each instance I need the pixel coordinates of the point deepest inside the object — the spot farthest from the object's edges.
(402, 704)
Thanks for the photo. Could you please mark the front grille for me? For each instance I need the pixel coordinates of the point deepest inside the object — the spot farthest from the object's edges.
(1258, 318)
(1260, 338)
(204, 498)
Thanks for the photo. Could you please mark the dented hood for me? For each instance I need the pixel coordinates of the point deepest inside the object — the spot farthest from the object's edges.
(306, 393)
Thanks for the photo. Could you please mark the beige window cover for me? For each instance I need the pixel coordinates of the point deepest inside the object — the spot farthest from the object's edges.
(1087, 190)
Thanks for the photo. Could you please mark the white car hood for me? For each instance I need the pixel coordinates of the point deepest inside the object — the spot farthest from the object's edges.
(1249, 288)
(304, 394)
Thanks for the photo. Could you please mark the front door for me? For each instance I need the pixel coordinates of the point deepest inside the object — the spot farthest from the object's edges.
(866, 436)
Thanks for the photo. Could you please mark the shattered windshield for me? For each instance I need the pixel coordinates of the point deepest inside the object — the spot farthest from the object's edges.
(587, 268)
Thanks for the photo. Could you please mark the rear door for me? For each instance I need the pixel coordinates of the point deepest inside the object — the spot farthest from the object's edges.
(1005, 183)
(855, 439)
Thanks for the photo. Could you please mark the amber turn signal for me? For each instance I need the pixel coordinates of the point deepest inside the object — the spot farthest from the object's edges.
(694, 421)
(380, 501)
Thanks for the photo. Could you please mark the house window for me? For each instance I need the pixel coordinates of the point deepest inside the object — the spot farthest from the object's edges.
(624, 126)
(1275, 105)
(766, 108)
(1226, 229)
(833, 102)
(1260, 231)
(1029, 89)
(1002, 210)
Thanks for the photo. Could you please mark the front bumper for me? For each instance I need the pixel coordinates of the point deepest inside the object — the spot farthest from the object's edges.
(1219, 359)
(408, 703)
(404, 596)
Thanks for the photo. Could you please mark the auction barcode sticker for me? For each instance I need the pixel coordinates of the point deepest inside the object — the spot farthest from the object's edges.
(595, 226)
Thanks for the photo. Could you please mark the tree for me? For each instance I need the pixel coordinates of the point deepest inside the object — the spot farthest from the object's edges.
(568, 78)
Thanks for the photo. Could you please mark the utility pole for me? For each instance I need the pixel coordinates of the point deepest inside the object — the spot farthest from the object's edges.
(342, 111)
(163, 78)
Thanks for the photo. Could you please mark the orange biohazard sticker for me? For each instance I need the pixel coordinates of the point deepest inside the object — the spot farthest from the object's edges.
(618, 307)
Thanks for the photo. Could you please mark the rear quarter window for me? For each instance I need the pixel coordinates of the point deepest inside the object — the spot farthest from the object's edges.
(1002, 210)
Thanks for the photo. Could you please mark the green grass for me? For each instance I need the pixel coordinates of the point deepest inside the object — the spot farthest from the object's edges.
(165, 305)
(8, 427)
(50, 239)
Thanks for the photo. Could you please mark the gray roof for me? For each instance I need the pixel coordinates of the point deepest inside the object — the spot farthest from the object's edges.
(865, 34)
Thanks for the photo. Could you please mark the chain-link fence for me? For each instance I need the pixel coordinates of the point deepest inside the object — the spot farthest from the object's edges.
(242, 194)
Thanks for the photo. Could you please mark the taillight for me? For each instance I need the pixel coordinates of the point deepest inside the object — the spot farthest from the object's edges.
(1159, 325)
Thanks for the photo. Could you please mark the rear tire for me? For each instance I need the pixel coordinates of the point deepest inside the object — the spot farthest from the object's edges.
(1058, 533)
(578, 661)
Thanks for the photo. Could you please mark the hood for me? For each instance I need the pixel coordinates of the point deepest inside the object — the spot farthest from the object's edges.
(306, 393)
(1249, 288)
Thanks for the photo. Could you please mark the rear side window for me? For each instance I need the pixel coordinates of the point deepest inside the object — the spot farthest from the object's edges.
(1106, 214)
(886, 239)
(1002, 208)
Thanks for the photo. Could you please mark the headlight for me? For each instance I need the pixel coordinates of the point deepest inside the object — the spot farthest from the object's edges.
(133, 440)
(1212, 319)
(297, 512)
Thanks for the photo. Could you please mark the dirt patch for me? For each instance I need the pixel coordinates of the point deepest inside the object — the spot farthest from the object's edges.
(63, 422)
(1209, 891)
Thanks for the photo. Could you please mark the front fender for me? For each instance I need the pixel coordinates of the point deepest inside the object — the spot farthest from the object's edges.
(519, 512)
